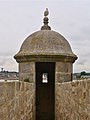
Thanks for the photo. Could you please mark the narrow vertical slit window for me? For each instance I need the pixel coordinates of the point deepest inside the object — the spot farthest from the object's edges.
(45, 78)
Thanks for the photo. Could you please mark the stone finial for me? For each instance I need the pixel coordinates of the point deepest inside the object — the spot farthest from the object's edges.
(45, 21)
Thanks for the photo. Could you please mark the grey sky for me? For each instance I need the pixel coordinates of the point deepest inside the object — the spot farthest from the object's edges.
(20, 18)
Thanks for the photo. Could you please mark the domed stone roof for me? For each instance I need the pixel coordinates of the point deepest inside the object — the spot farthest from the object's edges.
(45, 43)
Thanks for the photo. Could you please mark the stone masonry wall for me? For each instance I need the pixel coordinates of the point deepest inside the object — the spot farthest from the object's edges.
(73, 100)
(16, 101)
(27, 71)
(63, 72)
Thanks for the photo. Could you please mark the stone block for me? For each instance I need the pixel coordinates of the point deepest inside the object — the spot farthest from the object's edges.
(64, 67)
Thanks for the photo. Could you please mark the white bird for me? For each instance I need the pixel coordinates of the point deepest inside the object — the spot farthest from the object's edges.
(46, 12)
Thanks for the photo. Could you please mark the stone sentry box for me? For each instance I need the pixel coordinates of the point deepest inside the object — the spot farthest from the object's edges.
(45, 46)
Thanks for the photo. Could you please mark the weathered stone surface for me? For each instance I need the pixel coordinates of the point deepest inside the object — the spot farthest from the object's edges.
(16, 101)
(63, 72)
(27, 71)
(45, 42)
(64, 67)
(73, 100)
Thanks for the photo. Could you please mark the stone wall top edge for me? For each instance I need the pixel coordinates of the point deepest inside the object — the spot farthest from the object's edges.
(21, 82)
(75, 81)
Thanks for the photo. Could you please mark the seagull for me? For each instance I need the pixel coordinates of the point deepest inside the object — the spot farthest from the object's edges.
(46, 12)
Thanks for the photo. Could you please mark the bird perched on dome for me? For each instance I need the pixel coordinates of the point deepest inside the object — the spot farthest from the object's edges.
(46, 12)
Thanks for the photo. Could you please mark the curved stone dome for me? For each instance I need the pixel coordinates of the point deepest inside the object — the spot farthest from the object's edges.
(45, 42)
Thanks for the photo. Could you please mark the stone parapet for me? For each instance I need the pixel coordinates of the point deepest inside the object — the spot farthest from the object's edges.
(73, 100)
(16, 101)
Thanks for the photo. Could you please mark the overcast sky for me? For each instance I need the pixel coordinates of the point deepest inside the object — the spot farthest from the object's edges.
(20, 18)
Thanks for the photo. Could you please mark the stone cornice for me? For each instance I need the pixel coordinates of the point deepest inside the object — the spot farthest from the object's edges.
(45, 58)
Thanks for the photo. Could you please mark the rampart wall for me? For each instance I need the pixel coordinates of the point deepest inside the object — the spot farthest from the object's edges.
(16, 101)
(72, 100)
